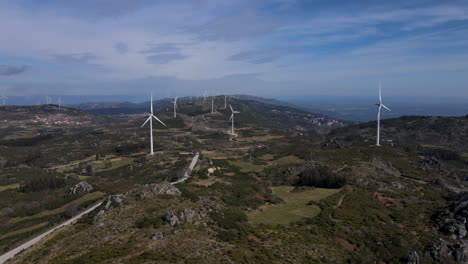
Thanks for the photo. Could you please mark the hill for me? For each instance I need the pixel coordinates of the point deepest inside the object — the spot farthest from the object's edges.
(270, 194)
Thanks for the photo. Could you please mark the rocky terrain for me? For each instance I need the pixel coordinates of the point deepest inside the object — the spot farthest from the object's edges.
(292, 187)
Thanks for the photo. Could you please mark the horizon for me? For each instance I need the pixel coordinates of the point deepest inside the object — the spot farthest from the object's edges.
(279, 48)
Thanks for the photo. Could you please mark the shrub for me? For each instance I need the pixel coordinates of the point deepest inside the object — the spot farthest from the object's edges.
(322, 177)
(41, 184)
(229, 218)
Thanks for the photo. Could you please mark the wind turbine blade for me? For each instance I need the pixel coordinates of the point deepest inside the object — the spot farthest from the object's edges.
(232, 115)
(146, 121)
(380, 94)
(157, 119)
(385, 107)
(232, 110)
(151, 103)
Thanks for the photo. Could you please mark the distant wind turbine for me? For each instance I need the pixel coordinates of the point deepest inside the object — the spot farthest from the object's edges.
(48, 99)
(232, 119)
(225, 101)
(3, 97)
(150, 119)
(379, 105)
(59, 102)
(212, 105)
(175, 107)
(204, 96)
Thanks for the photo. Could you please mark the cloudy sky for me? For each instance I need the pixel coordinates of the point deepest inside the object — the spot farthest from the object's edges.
(261, 47)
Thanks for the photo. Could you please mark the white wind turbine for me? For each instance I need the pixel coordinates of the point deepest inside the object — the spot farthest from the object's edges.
(204, 96)
(212, 104)
(225, 101)
(379, 105)
(150, 119)
(59, 102)
(175, 107)
(3, 97)
(48, 99)
(232, 119)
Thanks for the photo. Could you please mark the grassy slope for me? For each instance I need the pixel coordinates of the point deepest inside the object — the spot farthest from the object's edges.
(295, 208)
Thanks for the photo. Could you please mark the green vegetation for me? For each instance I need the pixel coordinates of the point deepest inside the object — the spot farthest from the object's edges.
(296, 206)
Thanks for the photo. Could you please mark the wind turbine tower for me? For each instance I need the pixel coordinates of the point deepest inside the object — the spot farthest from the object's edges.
(212, 104)
(232, 119)
(3, 97)
(59, 102)
(204, 97)
(150, 119)
(379, 105)
(48, 99)
(175, 107)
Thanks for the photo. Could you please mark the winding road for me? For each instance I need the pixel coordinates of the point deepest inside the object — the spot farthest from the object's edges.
(10, 254)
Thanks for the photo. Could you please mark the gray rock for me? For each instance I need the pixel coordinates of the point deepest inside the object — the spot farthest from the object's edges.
(157, 236)
(171, 218)
(397, 185)
(165, 188)
(81, 187)
(113, 200)
(150, 190)
(413, 258)
(187, 215)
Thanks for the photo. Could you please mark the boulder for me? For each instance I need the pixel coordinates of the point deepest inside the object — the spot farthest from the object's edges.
(113, 200)
(413, 258)
(187, 215)
(171, 218)
(157, 236)
(81, 187)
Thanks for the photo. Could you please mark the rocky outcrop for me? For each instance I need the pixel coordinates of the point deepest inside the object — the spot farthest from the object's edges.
(171, 218)
(165, 188)
(187, 215)
(113, 200)
(444, 185)
(429, 162)
(151, 190)
(81, 187)
(157, 236)
(453, 223)
(413, 258)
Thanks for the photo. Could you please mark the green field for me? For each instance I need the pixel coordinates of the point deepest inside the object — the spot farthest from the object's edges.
(245, 166)
(295, 208)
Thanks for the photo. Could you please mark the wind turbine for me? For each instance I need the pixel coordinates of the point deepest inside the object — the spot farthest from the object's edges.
(225, 101)
(204, 96)
(212, 104)
(379, 105)
(3, 97)
(175, 107)
(48, 99)
(59, 102)
(150, 119)
(232, 119)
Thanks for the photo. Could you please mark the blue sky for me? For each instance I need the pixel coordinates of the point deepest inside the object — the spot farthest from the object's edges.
(268, 48)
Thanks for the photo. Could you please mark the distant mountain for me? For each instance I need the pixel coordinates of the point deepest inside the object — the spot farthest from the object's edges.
(270, 112)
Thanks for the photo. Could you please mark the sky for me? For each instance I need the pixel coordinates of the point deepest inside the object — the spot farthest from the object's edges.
(269, 48)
